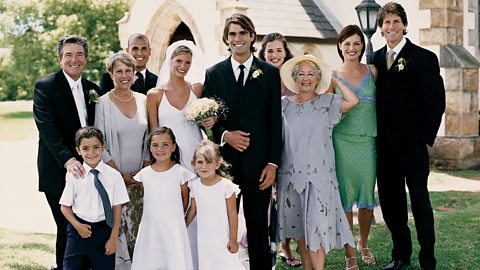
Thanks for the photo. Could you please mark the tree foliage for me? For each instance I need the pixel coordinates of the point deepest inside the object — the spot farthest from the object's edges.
(29, 31)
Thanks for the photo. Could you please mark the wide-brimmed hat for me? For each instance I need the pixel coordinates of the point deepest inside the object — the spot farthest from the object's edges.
(289, 81)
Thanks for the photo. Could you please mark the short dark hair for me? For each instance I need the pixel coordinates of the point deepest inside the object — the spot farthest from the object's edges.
(392, 8)
(138, 36)
(347, 32)
(72, 39)
(272, 37)
(175, 157)
(245, 22)
(86, 133)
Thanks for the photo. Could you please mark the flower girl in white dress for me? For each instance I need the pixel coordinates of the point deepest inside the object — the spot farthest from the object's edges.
(213, 201)
(162, 241)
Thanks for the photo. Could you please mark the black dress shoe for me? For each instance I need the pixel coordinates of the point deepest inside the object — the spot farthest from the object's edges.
(396, 265)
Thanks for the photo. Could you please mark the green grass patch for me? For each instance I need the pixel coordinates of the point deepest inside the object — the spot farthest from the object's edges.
(457, 225)
(17, 126)
(17, 115)
(19, 250)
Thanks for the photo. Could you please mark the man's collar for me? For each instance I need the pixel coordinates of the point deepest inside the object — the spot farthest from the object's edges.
(72, 82)
(100, 167)
(399, 46)
(247, 63)
(144, 72)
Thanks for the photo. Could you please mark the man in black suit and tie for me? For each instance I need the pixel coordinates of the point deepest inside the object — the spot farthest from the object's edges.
(410, 104)
(251, 134)
(139, 48)
(62, 103)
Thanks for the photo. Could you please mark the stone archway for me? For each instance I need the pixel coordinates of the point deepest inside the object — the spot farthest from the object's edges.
(165, 22)
(182, 32)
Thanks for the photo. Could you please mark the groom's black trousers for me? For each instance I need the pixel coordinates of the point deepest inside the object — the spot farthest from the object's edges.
(396, 166)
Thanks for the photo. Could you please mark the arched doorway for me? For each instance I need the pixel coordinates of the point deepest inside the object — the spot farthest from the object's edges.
(171, 22)
(182, 32)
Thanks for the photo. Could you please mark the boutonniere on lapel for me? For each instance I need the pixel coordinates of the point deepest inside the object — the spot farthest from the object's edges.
(92, 96)
(401, 64)
(256, 72)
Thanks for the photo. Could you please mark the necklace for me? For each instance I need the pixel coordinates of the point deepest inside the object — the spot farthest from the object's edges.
(123, 100)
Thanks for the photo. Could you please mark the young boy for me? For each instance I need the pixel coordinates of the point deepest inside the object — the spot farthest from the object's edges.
(92, 205)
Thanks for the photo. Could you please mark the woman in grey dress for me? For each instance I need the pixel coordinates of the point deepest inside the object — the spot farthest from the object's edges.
(122, 117)
(309, 205)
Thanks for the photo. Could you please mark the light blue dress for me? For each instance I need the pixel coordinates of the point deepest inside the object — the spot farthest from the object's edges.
(308, 197)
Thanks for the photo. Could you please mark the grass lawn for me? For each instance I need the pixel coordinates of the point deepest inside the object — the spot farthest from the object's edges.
(16, 120)
(26, 251)
(457, 222)
(457, 219)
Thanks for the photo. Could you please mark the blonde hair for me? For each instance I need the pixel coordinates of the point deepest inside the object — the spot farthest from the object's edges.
(211, 153)
(182, 49)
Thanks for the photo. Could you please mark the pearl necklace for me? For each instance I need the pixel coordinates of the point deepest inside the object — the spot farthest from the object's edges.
(123, 100)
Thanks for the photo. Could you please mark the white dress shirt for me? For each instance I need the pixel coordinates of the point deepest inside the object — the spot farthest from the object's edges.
(236, 72)
(397, 48)
(82, 195)
(144, 73)
(246, 70)
(77, 91)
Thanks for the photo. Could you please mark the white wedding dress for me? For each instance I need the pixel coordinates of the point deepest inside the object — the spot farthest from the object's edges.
(186, 134)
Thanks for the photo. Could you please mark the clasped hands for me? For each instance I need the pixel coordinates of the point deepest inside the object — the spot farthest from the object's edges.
(240, 141)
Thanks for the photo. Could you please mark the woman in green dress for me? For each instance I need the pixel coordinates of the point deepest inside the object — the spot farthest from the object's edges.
(354, 140)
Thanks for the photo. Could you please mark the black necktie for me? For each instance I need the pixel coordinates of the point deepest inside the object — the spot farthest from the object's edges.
(107, 207)
(240, 77)
(139, 84)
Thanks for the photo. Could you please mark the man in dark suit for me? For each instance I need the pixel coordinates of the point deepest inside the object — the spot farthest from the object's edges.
(62, 103)
(250, 135)
(139, 48)
(410, 104)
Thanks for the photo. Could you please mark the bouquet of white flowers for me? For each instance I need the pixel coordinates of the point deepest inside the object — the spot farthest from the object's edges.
(202, 108)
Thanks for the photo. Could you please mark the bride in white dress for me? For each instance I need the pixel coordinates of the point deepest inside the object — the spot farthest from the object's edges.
(179, 83)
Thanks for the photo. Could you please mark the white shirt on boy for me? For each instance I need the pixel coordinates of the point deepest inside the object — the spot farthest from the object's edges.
(84, 198)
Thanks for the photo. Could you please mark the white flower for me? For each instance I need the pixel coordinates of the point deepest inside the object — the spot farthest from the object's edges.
(257, 73)
(93, 96)
(401, 64)
(201, 109)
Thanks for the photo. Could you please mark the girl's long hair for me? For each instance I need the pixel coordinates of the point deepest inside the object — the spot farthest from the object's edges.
(211, 153)
(175, 157)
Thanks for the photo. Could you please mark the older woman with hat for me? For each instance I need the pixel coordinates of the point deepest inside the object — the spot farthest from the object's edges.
(309, 205)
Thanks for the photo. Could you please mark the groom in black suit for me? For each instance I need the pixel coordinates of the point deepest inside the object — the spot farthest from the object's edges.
(410, 104)
(139, 49)
(62, 103)
(251, 134)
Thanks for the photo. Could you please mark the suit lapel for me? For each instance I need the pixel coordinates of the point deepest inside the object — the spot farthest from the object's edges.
(90, 105)
(150, 80)
(383, 60)
(250, 81)
(66, 91)
(404, 53)
(230, 79)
